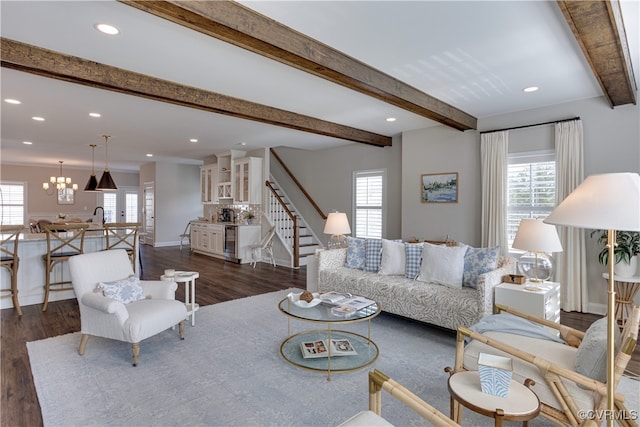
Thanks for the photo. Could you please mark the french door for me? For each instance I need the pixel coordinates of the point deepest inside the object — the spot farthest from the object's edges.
(121, 205)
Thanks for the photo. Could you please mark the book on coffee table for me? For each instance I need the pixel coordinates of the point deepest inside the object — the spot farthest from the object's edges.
(337, 299)
(339, 347)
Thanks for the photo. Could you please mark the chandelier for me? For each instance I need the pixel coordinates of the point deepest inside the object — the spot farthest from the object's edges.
(61, 183)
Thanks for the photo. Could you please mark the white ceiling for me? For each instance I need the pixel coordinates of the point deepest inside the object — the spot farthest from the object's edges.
(474, 55)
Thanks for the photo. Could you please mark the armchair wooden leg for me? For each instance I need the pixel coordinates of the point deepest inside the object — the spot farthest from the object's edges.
(83, 344)
(136, 352)
(181, 329)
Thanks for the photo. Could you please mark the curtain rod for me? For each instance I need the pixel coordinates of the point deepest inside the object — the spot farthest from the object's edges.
(529, 126)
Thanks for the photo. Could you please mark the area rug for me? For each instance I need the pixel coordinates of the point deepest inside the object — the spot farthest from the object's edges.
(229, 372)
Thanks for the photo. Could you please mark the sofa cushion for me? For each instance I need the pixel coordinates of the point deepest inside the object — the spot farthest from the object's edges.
(393, 258)
(125, 290)
(355, 253)
(591, 357)
(478, 261)
(443, 265)
(413, 258)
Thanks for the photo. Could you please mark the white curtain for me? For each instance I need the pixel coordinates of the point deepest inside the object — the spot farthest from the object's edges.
(571, 270)
(494, 167)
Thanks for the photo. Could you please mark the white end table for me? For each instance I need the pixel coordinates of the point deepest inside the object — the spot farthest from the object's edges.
(189, 280)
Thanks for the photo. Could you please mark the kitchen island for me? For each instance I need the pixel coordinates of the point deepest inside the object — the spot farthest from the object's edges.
(31, 273)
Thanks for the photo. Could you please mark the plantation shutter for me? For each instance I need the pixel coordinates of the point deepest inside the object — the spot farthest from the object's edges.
(368, 198)
(12, 196)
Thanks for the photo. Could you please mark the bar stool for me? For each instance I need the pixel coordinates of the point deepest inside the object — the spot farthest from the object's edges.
(63, 242)
(9, 259)
(123, 235)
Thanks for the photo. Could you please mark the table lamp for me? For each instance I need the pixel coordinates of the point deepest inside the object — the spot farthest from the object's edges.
(606, 202)
(337, 225)
(538, 239)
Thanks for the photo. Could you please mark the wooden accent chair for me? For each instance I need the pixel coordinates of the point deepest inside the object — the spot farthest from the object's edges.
(110, 317)
(566, 396)
(123, 235)
(371, 418)
(63, 242)
(9, 260)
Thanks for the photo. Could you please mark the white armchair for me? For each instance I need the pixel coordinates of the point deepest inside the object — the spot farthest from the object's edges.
(109, 318)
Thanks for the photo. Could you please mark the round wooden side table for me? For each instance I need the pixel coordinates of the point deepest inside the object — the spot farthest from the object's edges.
(522, 404)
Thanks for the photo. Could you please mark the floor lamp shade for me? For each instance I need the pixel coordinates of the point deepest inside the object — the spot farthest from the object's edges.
(606, 202)
(337, 225)
(538, 239)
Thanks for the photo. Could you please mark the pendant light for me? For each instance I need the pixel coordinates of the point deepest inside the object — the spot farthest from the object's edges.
(92, 184)
(106, 182)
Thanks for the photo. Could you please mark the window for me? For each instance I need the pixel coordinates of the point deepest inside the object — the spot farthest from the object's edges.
(120, 205)
(368, 199)
(531, 188)
(12, 197)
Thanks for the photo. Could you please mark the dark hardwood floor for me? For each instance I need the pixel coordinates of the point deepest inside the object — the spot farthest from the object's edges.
(219, 281)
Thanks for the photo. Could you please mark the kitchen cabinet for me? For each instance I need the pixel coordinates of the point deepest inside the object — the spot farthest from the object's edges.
(208, 180)
(247, 180)
(207, 239)
(224, 183)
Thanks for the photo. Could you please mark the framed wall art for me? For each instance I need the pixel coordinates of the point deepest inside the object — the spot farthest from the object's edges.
(439, 187)
(66, 196)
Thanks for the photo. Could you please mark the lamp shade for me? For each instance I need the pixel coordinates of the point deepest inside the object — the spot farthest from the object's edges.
(92, 184)
(535, 236)
(106, 182)
(337, 223)
(606, 202)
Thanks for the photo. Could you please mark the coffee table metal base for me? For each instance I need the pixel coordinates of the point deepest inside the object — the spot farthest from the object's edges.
(367, 352)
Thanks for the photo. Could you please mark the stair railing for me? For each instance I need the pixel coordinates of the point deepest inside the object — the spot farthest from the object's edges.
(286, 222)
(295, 180)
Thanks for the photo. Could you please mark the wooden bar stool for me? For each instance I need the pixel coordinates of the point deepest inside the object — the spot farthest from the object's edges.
(9, 259)
(123, 235)
(63, 242)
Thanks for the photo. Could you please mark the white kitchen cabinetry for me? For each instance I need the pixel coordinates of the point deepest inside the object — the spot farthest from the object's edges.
(207, 239)
(208, 178)
(247, 180)
(224, 184)
(538, 299)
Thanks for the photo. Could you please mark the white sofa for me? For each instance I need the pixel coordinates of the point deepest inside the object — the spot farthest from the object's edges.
(426, 302)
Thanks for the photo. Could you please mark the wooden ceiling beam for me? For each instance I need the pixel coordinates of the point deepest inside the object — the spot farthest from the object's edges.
(47, 63)
(236, 24)
(598, 27)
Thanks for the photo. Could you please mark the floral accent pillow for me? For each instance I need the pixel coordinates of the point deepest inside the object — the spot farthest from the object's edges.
(123, 290)
(413, 258)
(355, 253)
(478, 261)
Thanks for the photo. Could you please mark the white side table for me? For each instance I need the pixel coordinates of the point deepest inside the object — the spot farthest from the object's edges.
(537, 299)
(626, 289)
(189, 280)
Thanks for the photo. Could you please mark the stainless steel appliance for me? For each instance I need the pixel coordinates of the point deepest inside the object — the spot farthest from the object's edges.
(226, 215)
(231, 243)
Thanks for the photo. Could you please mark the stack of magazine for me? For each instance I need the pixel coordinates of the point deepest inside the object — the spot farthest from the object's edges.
(339, 347)
(344, 305)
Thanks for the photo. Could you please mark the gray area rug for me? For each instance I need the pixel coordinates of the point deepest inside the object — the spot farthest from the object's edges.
(229, 372)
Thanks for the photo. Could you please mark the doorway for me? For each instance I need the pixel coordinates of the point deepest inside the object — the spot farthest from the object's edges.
(148, 213)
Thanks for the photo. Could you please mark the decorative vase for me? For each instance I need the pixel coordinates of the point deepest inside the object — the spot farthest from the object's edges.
(626, 269)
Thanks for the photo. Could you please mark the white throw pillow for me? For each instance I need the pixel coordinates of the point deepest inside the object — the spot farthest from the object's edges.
(443, 265)
(393, 258)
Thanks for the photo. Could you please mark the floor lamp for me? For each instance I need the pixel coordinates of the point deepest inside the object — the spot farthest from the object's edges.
(606, 202)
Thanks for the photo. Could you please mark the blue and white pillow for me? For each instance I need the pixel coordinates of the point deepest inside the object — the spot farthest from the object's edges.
(373, 254)
(478, 261)
(355, 253)
(123, 290)
(413, 259)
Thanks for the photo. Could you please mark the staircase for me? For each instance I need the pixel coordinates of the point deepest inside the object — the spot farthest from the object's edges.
(290, 226)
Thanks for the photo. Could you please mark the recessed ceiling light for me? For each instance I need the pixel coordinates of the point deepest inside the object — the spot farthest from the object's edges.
(12, 101)
(530, 89)
(27, 142)
(243, 143)
(95, 114)
(391, 119)
(38, 119)
(107, 29)
(149, 155)
(193, 140)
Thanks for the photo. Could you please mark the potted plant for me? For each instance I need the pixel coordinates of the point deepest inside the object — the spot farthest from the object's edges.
(626, 251)
(249, 216)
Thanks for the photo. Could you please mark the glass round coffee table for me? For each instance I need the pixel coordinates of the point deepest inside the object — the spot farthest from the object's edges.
(350, 351)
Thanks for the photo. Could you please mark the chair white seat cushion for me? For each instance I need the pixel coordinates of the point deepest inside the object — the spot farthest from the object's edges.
(560, 354)
(366, 419)
(150, 316)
